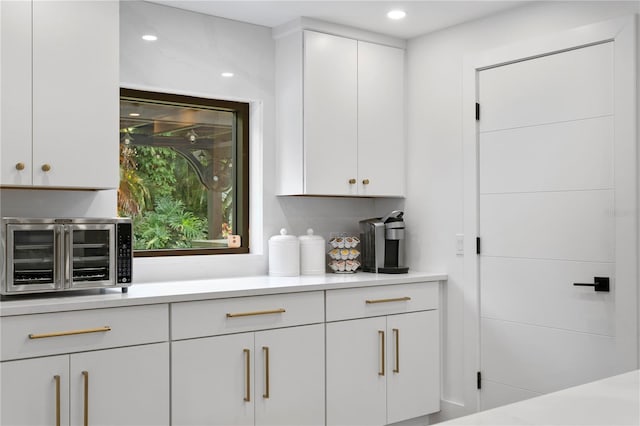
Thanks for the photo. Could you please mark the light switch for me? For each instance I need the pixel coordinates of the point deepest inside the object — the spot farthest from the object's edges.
(459, 244)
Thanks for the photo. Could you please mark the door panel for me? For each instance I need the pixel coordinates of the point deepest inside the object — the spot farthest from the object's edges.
(496, 394)
(413, 366)
(380, 141)
(296, 376)
(541, 292)
(356, 392)
(208, 381)
(330, 113)
(28, 394)
(126, 386)
(543, 359)
(561, 87)
(572, 155)
(571, 225)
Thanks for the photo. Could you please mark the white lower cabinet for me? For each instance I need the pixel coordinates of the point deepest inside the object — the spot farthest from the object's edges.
(124, 386)
(249, 361)
(273, 377)
(382, 369)
(101, 367)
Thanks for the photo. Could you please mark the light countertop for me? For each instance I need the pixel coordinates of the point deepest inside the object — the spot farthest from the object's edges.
(179, 291)
(611, 401)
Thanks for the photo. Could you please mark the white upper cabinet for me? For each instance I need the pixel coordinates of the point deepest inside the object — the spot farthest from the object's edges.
(60, 94)
(340, 116)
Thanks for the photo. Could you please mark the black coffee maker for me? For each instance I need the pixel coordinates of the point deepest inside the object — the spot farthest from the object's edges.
(382, 244)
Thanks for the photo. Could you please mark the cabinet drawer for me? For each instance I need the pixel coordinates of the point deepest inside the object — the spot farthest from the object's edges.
(26, 336)
(364, 302)
(224, 316)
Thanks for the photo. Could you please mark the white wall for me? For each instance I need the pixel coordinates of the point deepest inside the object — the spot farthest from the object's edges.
(188, 57)
(435, 151)
(191, 52)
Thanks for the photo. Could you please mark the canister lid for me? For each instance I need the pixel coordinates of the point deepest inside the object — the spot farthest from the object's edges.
(310, 237)
(283, 237)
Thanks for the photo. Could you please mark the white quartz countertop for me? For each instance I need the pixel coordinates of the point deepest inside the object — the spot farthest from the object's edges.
(180, 291)
(611, 401)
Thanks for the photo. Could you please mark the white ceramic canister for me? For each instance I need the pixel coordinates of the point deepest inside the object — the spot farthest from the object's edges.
(312, 254)
(284, 255)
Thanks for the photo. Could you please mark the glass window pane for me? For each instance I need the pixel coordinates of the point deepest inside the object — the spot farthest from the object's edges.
(180, 178)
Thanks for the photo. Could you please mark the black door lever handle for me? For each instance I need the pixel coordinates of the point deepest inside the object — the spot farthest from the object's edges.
(599, 284)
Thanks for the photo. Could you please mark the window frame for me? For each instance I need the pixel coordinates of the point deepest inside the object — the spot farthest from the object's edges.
(241, 110)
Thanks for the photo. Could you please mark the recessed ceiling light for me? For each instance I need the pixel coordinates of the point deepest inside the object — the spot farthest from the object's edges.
(134, 114)
(227, 74)
(149, 37)
(396, 14)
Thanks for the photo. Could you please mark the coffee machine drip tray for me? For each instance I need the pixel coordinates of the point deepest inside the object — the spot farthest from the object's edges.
(394, 270)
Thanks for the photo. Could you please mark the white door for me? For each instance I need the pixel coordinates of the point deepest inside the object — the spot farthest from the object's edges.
(547, 206)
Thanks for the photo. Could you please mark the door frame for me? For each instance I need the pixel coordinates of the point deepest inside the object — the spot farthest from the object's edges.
(622, 32)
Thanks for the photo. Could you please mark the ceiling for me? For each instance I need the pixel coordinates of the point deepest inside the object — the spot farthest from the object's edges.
(423, 16)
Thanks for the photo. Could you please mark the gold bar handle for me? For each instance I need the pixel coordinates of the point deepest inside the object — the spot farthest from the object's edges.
(70, 332)
(247, 358)
(85, 374)
(382, 351)
(396, 333)
(266, 372)
(57, 380)
(250, 314)
(395, 299)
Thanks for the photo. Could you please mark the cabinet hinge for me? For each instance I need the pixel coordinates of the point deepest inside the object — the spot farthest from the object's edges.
(477, 245)
(479, 380)
(477, 111)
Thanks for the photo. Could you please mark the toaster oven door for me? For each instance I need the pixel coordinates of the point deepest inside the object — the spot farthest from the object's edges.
(33, 258)
(90, 252)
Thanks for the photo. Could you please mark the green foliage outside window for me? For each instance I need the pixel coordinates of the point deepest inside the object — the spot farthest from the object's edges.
(164, 197)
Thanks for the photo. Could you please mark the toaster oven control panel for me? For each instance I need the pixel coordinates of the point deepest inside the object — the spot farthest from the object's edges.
(124, 252)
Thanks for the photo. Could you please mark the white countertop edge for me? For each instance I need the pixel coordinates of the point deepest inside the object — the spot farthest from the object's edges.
(182, 291)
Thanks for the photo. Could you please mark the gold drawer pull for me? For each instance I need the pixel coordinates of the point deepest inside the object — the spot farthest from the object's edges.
(85, 374)
(247, 375)
(396, 299)
(250, 314)
(70, 332)
(56, 378)
(265, 349)
(396, 332)
(382, 352)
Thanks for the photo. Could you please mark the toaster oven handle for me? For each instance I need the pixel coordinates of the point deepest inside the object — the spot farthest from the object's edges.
(60, 256)
(68, 255)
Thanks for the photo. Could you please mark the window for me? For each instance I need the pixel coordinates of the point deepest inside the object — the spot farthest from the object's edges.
(184, 173)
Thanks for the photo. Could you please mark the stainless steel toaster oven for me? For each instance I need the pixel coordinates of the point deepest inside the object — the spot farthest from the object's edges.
(48, 255)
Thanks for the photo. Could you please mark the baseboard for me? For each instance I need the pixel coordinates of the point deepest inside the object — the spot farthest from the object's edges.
(448, 410)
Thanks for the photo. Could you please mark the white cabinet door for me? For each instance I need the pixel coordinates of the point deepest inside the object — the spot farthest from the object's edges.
(124, 386)
(75, 93)
(289, 379)
(413, 380)
(29, 391)
(330, 114)
(15, 86)
(356, 372)
(380, 120)
(211, 382)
